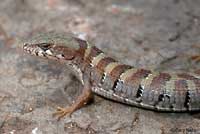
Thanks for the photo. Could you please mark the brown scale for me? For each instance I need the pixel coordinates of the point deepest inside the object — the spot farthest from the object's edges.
(158, 82)
(117, 71)
(181, 85)
(94, 52)
(195, 101)
(134, 81)
(82, 43)
(98, 72)
(111, 80)
(190, 77)
(181, 94)
(136, 78)
(115, 74)
(83, 46)
(103, 63)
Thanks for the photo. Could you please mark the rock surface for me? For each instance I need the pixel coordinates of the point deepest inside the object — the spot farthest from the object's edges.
(158, 34)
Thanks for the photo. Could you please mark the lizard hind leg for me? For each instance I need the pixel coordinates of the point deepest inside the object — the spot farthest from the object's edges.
(85, 97)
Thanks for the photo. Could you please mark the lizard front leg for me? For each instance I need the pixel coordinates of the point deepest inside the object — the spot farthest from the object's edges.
(82, 100)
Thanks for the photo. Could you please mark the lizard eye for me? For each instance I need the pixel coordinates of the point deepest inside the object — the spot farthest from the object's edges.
(44, 46)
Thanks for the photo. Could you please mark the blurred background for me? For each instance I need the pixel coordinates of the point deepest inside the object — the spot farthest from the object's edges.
(156, 34)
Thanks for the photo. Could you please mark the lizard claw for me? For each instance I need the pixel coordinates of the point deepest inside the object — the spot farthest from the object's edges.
(61, 112)
(80, 102)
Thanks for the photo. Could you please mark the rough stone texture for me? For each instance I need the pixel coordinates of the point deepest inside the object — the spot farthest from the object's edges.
(158, 34)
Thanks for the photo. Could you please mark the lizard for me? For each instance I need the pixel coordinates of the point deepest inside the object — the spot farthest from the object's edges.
(107, 77)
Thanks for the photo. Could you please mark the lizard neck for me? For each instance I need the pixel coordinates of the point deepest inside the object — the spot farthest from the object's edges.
(85, 55)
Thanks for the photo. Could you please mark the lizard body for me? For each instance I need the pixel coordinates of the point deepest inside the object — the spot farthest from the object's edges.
(103, 75)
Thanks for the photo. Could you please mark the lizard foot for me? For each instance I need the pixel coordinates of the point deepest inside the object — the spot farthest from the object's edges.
(82, 100)
(61, 112)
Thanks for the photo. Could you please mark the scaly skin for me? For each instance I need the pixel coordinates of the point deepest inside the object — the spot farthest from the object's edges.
(158, 91)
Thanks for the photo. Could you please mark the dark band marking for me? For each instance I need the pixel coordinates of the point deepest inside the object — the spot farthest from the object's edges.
(83, 47)
(136, 78)
(159, 81)
(97, 59)
(103, 78)
(186, 76)
(140, 74)
(192, 78)
(115, 84)
(163, 100)
(115, 74)
(82, 43)
(161, 97)
(118, 70)
(139, 93)
(187, 100)
(103, 63)
(135, 81)
(181, 85)
(93, 53)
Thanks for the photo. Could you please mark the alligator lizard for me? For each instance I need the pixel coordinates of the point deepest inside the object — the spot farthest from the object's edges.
(103, 75)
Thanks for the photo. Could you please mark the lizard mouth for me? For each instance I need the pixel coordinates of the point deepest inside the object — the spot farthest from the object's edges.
(27, 49)
(33, 50)
(46, 51)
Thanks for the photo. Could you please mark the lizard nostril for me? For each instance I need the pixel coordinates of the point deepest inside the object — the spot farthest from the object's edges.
(25, 45)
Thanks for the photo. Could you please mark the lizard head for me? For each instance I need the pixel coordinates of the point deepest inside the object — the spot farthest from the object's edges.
(53, 46)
